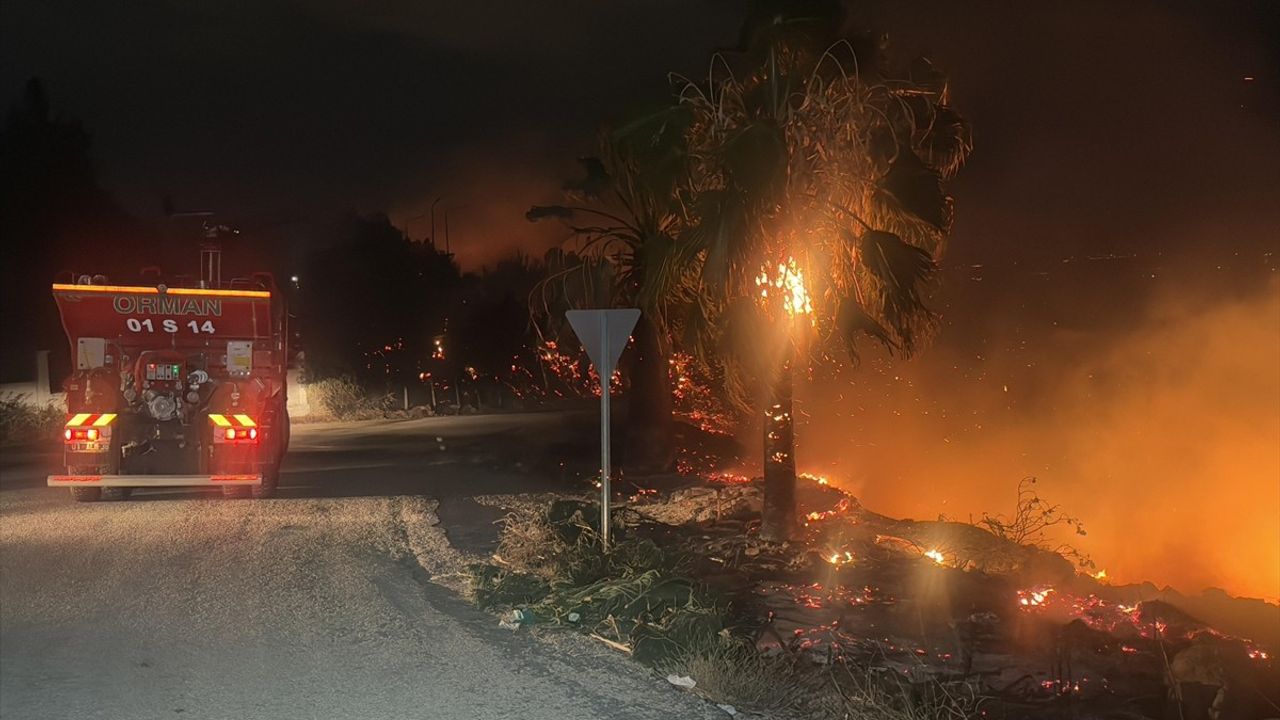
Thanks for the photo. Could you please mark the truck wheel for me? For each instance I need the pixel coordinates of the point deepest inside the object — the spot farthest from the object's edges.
(270, 479)
(286, 431)
(86, 494)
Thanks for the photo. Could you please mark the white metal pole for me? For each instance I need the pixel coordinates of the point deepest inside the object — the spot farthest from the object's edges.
(605, 376)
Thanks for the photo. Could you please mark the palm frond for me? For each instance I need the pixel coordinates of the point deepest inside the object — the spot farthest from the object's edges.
(721, 232)
(901, 270)
(755, 160)
(917, 188)
(948, 141)
(853, 321)
(595, 181)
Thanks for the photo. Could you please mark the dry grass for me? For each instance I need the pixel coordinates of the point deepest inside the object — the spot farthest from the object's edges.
(529, 544)
(734, 673)
(865, 694)
(22, 420)
(342, 399)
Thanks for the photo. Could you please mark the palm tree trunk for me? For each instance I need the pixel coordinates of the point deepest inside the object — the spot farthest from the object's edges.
(650, 445)
(779, 517)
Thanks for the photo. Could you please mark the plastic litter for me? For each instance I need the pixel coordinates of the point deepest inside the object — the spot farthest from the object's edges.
(683, 681)
(514, 619)
(729, 709)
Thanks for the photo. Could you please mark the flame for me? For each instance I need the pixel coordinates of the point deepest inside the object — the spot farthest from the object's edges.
(788, 282)
(1034, 597)
(935, 556)
(840, 558)
(820, 479)
(840, 508)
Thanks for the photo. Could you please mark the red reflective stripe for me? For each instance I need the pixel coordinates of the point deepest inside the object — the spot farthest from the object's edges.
(232, 478)
(78, 478)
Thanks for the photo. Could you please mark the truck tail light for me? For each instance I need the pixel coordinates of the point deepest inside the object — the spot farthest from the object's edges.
(234, 428)
(240, 434)
(81, 434)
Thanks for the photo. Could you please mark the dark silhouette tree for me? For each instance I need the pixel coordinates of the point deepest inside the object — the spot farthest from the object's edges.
(54, 217)
(625, 222)
(371, 304)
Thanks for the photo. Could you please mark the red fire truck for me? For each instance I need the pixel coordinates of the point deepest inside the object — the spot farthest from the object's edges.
(174, 384)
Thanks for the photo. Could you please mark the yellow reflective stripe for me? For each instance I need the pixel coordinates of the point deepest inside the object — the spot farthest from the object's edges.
(146, 290)
(104, 419)
(221, 293)
(78, 419)
(245, 420)
(220, 420)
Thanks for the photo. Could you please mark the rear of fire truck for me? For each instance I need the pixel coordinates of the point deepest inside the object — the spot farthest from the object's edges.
(173, 387)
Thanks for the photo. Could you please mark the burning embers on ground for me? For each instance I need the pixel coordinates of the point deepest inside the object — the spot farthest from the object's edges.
(949, 604)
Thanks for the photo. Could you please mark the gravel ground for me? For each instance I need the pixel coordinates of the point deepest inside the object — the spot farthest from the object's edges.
(186, 606)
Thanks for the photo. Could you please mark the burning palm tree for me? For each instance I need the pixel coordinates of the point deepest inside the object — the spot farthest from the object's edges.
(815, 201)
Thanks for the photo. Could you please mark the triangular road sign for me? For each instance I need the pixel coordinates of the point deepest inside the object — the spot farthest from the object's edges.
(604, 335)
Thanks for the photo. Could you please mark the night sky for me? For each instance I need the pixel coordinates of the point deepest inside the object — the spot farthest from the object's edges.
(1096, 122)
(1123, 202)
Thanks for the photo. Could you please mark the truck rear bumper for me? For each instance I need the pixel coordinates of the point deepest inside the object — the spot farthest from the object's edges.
(152, 480)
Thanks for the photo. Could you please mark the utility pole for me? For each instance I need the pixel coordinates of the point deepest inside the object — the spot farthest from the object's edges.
(433, 218)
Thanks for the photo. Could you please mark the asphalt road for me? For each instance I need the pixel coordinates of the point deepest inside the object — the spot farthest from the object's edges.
(318, 604)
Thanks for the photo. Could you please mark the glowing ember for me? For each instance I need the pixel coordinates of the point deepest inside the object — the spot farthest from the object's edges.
(840, 558)
(935, 556)
(840, 508)
(1035, 597)
(1100, 576)
(787, 283)
(695, 399)
(728, 478)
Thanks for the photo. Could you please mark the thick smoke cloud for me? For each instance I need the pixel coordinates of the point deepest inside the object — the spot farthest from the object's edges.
(1161, 433)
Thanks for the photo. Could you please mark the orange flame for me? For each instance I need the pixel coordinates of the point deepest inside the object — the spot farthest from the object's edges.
(787, 283)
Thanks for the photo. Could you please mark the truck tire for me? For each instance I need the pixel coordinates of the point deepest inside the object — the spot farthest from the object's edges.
(286, 431)
(86, 494)
(270, 480)
(271, 474)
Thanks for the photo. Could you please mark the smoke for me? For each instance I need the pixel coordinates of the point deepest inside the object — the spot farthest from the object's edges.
(1156, 421)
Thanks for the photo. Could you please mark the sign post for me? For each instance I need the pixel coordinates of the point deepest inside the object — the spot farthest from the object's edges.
(604, 335)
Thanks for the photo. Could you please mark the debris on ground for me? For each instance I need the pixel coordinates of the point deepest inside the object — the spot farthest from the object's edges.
(861, 611)
(683, 681)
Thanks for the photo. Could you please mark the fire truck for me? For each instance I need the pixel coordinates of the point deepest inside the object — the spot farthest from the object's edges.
(175, 383)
